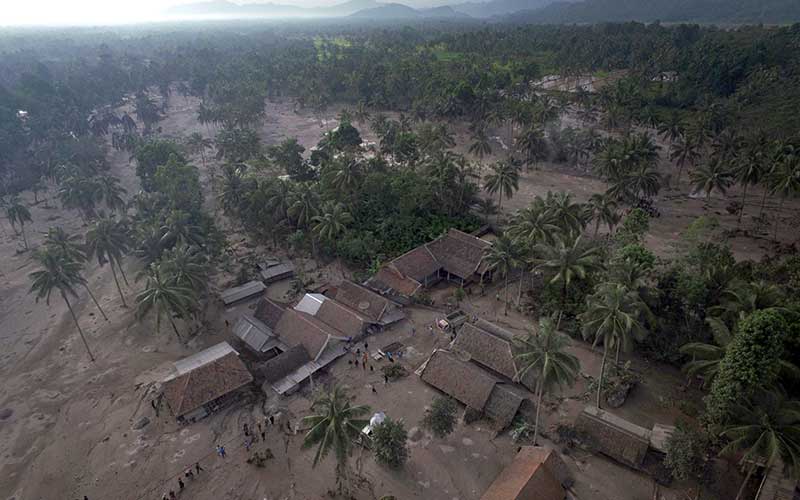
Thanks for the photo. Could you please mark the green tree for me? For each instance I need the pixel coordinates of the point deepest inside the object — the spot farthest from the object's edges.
(334, 427)
(685, 152)
(504, 180)
(198, 144)
(109, 241)
(785, 182)
(186, 266)
(389, 440)
(481, 144)
(110, 192)
(331, 224)
(544, 353)
(162, 295)
(503, 258)
(440, 418)
(767, 430)
(58, 273)
(603, 209)
(613, 316)
(565, 261)
(18, 213)
(751, 360)
(713, 176)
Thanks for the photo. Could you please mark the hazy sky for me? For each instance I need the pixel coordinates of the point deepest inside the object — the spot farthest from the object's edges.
(69, 12)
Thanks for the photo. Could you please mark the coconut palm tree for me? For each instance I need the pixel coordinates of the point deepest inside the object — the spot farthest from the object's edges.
(671, 128)
(186, 266)
(545, 354)
(58, 273)
(331, 223)
(109, 241)
(713, 176)
(110, 192)
(685, 152)
(532, 144)
(164, 296)
(602, 209)
(564, 261)
(748, 171)
(198, 144)
(303, 204)
(481, 144)
(534, 224)
(486, 208)
(612, 316)
(785, 182)
(69, 248)
(503, 257)
(18, 213)
(334, 428)
(361, 113)
(504, 180)
(767, 430)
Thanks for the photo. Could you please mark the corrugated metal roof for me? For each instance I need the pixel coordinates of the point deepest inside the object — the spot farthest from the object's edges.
(277, 272)
(201, 358)
(238, 293)
(289, 383)
(310, 303)
(254, 333)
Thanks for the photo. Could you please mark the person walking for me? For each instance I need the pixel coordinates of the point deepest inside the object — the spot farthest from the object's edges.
(180, 484)
(385, 379)
(172, 495)
(197, 468)
(221, 450)
(272, 420)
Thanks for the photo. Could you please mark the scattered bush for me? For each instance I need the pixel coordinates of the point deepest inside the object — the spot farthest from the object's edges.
(441, 417)
(685, 452)
(389, 442)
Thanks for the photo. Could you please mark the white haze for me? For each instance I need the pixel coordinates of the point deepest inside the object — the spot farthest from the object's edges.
(101, 12)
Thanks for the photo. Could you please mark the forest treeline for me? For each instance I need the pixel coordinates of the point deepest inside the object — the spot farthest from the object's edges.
(748, 76)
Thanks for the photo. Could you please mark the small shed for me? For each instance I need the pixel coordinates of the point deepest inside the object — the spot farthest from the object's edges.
(242, 292)
(256, 335)
(277, 272)
(613, 436)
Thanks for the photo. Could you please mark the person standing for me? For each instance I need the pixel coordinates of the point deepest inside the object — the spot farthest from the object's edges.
(197, 468)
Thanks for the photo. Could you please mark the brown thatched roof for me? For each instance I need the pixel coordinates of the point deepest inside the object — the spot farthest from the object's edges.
(417, 264)
(298, 328)
(342, 318)
(459, 253)
(503, 404)
(284, 363)
(269, 312)
(206, 383)
(388, 278)
(365, 301)
(462, 380)
(527, 477)
(487, 349)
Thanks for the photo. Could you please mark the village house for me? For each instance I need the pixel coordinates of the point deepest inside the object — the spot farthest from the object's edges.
(480, 391)
(456, 257)
(205, 382)
(257, 331)
(536, 473)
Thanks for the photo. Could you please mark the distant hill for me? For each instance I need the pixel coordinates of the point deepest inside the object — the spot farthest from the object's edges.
(230, 10)
(494, 8)
(400, 11)
(701, 11)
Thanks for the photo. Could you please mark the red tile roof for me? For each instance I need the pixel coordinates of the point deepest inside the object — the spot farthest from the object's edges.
(527, 478)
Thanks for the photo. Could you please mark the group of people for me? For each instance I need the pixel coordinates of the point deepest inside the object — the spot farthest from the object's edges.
(188, 474)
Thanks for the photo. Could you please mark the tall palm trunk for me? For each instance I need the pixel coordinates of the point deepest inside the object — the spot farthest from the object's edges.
(122, 272)
(602, 375)
(119, 289)
(95, 301)
(505, 309)
(80, 331)
(24, 237)
(746, 480)
(744, 200)
(519, 292)
(778, 217)
(597, 227)
(538, 409)
(763, 202)
(174, 328)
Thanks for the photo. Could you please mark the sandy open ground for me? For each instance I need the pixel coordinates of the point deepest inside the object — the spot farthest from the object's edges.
(66, 425)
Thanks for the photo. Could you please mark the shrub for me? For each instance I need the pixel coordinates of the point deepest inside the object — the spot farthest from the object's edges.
(389, 442)
(685, 452)
(751, 361)
(441, 417)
